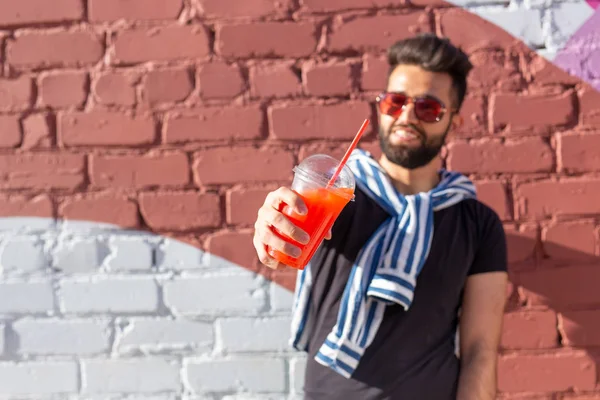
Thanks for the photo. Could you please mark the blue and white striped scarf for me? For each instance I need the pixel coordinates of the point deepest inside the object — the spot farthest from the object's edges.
(386, 269)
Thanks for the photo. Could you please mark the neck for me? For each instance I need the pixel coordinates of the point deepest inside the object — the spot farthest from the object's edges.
(412, 181)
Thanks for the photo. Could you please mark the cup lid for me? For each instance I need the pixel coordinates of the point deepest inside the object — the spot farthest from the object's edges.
(321, 167)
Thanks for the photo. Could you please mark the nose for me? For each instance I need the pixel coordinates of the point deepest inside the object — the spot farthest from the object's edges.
(408, 116)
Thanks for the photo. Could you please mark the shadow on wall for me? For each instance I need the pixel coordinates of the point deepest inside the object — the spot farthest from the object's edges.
(553, 305)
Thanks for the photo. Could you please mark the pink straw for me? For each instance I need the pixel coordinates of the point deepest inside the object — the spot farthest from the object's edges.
(348, 152)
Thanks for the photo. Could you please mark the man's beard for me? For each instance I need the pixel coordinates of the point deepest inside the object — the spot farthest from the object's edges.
(412, 157)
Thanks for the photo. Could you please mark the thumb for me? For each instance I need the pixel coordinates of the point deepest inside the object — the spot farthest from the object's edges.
(328, 235)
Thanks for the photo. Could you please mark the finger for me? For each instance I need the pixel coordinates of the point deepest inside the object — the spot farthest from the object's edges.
(328, 235)
(263, 255)
(267, 237)
(271, 217)
(289, 197)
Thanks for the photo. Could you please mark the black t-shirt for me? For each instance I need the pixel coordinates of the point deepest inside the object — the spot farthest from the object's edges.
(413, 354)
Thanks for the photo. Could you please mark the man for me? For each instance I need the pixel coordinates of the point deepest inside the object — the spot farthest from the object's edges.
(414, 259)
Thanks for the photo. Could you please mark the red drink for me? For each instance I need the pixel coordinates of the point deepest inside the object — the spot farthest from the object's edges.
(323, 203)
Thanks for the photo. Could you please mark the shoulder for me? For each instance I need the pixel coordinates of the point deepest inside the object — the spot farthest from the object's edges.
(482, 216)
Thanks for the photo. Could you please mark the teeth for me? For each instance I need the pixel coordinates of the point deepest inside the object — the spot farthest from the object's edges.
(405, 134)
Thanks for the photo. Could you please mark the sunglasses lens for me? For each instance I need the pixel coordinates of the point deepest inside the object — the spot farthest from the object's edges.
(428, 110)
(391, 104)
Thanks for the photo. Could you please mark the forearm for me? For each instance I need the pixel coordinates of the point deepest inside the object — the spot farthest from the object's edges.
(478, 377)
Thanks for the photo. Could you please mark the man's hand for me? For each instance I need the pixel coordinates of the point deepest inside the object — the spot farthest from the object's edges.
(270, 217)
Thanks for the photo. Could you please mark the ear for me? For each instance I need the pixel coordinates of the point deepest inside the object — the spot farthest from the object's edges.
(457, 122)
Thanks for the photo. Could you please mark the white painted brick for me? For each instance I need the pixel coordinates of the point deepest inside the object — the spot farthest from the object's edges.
(255, 397)
(177, 255)
(127, 397)
(216, 295)
(51, 336)
(104, 295)
(38, 378)
(265, 374)
(131, 376)
(297, 372)
(23, 254)
(252, 334)
(26, 297)
(521, 23)
(281, 298)
(26, 224)
(157, 334)
(477, 3)
(129, 254)
(566, 19)
(79, 255)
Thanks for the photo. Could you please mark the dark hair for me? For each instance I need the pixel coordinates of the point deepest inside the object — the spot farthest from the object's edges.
(433, 54)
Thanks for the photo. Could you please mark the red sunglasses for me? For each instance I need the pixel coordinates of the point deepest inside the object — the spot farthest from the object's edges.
(427, 108)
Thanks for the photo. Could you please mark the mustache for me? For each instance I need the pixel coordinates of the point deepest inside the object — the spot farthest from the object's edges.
(411, 127)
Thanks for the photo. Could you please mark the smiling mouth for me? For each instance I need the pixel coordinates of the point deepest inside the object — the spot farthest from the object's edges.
(406, 134)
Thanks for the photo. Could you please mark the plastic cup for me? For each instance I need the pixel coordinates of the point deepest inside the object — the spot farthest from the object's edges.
(324, 203)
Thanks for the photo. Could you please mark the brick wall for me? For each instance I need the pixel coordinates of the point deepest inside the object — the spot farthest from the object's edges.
(140, 136)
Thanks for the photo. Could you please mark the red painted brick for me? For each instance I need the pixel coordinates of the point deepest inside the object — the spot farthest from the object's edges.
(340, 121)
(564, 197)
(25, 206)
(481, 33)
(39, 49)
(493, 193)
(168, 86)
(63, 89)
(233, 246)
(340, 5)
(335, 150)
(530, 330)
(243, 205)
(376, 33)
(138, 171)
(489, 68)
(328, 80)
(276, 80)
(267, 39)
(549, 372)
(42, 170)
(106, 128)
(543, 72)
(39, 11)
(521, 242)
(575, 285)
(221, 80)
(169, 43)
(474, 114)
(105, 208)
(244, 8)
(589, 396)
(16, 94)
(180, 211)
(115, 88)
(577, 151)
(581, 328)
(10, 131)
(589, 106)
(111, 10)
(537, 112)
(226, 165)
(491, 155)
(216, 123)
(571, 241)
(38, 132)
(375, 73)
